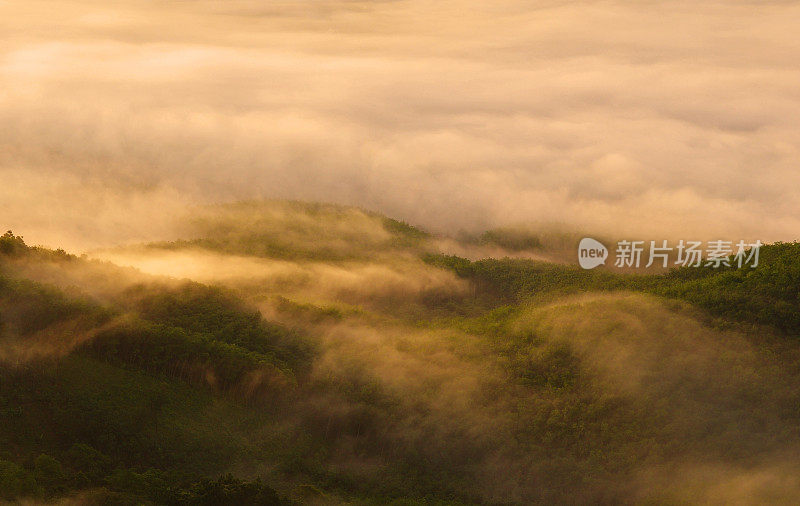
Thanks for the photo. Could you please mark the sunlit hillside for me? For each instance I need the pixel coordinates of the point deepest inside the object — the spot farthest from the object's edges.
(284, 352)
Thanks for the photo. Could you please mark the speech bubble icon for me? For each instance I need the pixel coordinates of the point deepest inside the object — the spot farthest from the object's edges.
(591, 253)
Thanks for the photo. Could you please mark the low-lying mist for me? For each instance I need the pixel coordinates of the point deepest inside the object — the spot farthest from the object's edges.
(383, 369)
(323, 252)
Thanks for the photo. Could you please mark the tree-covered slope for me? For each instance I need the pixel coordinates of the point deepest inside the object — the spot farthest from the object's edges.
(398, 377)
(768, 294)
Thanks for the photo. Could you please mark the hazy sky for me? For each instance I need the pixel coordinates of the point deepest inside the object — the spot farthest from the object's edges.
(669, 119)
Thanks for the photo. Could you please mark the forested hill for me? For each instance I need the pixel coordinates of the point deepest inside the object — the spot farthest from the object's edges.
(293, 230)
(137, 396)
(768, 294)
(312, 354)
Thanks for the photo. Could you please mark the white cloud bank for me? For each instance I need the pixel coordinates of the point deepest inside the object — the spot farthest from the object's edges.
(661, 119)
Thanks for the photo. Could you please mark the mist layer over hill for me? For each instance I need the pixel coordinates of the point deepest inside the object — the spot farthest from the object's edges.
(183, 322)
(281, 351)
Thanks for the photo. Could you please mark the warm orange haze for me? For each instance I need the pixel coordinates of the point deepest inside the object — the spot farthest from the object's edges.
(399, 252)
(646, 118)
